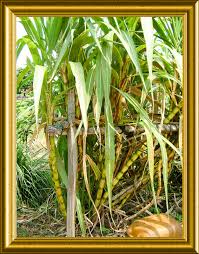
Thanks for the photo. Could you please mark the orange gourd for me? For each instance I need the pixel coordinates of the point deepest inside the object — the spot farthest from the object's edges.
(158, 225)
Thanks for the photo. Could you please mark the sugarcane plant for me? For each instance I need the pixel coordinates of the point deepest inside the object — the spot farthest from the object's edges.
(105, 90)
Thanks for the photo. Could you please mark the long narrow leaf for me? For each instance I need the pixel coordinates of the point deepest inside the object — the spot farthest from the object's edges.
(109, 134)
(80, 83)
(21, 75)
(147, 26)
(79, 42)
(150, 150)
(99, 89)
(62, 54)
(94, 167)
(29, 26)
(93, 30)
(129, 45)
(33, 50)
(38, 81)
(178, 60)
(19, 46)
(54, 32)
(80, 215)
(147, 120)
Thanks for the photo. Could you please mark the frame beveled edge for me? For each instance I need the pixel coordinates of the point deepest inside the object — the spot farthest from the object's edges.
(197, 124)
(8, 235)
(1, 125)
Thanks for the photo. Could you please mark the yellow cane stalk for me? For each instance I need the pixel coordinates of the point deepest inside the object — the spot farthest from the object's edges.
(137, 154)
(123, 171)
(55, 176)
(101, 187)
(173, 113)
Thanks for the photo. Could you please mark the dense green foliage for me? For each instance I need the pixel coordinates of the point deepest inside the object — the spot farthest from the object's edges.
(125, 71)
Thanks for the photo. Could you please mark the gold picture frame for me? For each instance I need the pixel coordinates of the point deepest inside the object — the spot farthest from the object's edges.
(9, 10)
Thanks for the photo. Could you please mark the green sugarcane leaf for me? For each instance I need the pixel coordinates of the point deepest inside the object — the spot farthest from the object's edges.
(94, 167)
(33, 48)
(109, 152)
(107, 48)
(90, 81)
(31, 30)
(83, 96)
(62, 53)
(179, 60)
(40, 30)
(93, 31)
(61, 169)
(80, 215)
(19, 46)
(147, 26)
(144, 116)
(150, 150)
(54, 32)
(161, 139)
(161, 31)
(22, 74)
(38, 81)
(99, 92)
(79, 42)
(129, 45)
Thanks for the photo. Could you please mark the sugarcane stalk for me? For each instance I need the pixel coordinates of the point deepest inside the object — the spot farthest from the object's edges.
(55, 175)
(123, 171)
(152, 201)
(101, 187)
(130, 189)
(118, 159)
(123, 194)
(52, 153)
(124, 201)
(173, 113)
(136, 155)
